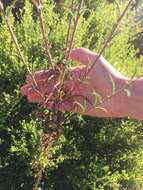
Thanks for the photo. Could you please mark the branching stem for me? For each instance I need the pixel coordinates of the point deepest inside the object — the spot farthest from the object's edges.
(38, 5)
(69, 26)
(114, 28)
(13, 36)
(75, 28)
(39, 176)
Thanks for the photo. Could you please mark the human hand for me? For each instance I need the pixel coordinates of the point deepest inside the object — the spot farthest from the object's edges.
(90, 95)
(124, 98)
(133, 101)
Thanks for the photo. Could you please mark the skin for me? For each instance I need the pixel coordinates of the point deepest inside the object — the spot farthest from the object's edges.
(118, 98)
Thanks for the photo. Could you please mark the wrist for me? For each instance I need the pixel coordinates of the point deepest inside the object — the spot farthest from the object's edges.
(129, 96)
(133, 99)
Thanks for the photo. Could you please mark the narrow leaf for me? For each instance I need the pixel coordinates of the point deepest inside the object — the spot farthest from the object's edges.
(96, 98)
(79, 105)
(113, 84)
(101, 108)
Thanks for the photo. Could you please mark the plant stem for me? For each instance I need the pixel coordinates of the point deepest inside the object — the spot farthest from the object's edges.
(75, 28)
(38, 5)
(46, 152)
(69, 26)
(114, 28)
(13, 36)
(38, 180)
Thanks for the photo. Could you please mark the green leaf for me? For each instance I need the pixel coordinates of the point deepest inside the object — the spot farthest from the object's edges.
(96, 99)
(101, 108)
(79, 105)
(113, 84)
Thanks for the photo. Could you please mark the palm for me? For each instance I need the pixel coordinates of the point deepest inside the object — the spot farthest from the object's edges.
(99, 92)
(97, 87)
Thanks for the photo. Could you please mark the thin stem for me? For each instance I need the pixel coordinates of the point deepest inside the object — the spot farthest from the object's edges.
(69, 26)
(114, 28)
(38, 179)
(75, 28)
(27, 66)
(13, 36)
(46, 152)
(38, 5)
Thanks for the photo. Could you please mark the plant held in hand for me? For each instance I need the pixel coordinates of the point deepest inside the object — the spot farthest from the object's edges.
(93, 88)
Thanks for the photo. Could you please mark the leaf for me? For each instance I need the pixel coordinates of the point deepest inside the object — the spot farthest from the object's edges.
(113, 84)
(97, 100)
(101, 108)
(96, 97)
(85, 10)
(71, 14)
(9, 9)
(128, 92)
(85, 104)
(79, 105)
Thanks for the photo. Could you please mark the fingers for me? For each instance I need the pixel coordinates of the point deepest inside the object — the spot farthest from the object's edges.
(29, 88)
(31, 94)
(25, 90)
(35, 98)
(83, 56)
(38, 75)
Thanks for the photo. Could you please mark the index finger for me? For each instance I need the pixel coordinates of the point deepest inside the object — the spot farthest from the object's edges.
(83, 56)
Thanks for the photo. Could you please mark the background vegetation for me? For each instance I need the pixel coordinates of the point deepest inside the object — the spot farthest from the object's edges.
(92, 153)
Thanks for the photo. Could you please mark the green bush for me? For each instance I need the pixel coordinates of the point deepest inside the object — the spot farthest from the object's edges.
(92, 153)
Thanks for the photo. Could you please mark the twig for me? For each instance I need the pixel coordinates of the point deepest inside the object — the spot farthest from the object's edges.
(27, 66)
(38, 5)
(39, 176)
(114, 28)
(69, 26)
(75, 28)
(13, 36)
(46, 152)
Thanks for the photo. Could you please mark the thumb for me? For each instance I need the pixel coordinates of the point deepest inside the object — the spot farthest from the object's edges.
(83, 56)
